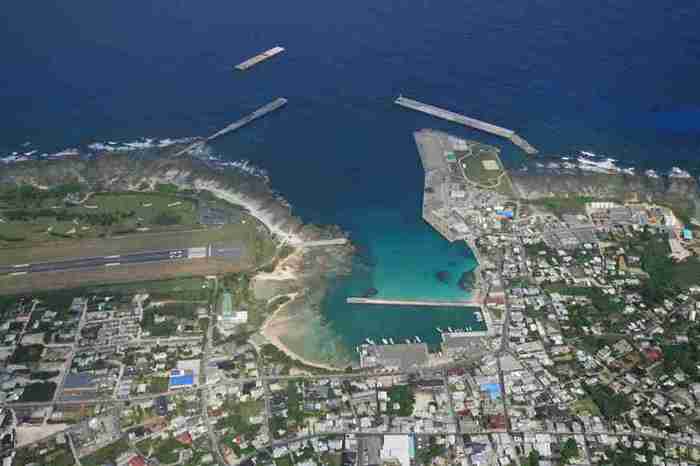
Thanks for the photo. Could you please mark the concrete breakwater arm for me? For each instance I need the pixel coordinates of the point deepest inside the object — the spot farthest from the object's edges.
(467, 121)
(262, 111)
(475, 301)
(259, 58)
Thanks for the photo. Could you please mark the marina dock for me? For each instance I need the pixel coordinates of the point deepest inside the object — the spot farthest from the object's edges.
(259, 58)
(467, 121)
(474, 302)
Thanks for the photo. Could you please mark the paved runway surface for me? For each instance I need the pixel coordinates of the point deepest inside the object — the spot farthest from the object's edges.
(93, 262)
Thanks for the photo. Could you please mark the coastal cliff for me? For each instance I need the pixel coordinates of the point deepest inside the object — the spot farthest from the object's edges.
(303, 276)
(682, 193)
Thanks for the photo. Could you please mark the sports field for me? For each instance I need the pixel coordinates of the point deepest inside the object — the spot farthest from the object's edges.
(482, 167)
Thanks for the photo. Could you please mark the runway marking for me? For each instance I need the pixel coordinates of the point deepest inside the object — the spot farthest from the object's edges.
(15, 274)
(113, 264)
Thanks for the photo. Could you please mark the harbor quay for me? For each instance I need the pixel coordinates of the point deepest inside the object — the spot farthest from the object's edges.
(473, 302)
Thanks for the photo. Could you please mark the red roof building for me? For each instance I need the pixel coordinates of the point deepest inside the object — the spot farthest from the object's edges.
(653, 355)
(185, 438)
(497, 422)
(137, 461)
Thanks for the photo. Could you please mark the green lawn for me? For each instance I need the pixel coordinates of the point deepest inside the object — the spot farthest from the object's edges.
(158, 384)
(403, 395)
(585, 406)
(283, 461)
(102, 214)
(60, 456)
(483, 167)
(167, 451)
(108, 454)
(147, 206)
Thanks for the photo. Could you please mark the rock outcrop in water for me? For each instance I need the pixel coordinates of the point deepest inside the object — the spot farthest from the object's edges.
(443, 276)
(466, 281)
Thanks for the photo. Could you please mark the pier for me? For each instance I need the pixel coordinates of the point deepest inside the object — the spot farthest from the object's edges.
(473, 302)
(259, 58)
(467, 121)
(262, 111)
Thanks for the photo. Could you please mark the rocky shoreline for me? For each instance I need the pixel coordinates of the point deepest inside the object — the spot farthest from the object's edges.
(302, 275)
(682, 193)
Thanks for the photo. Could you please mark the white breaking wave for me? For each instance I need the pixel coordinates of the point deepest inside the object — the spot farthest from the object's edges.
(245, 166)
(678, 173)
(140, 144)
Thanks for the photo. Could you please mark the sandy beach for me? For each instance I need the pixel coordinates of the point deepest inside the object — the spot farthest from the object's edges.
(275, 326)
(287, 269)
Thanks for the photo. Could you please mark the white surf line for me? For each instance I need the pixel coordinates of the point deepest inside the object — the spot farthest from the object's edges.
(113, 257)
(113, 264)
(20, 266)
(15, 274)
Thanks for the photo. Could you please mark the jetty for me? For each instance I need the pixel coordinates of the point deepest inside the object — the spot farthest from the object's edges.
(473, 302)
(467, 121)
(259, 58)
(262, 111)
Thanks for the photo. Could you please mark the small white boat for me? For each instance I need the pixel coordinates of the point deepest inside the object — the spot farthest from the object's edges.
(450, 329)
(391, 341)
(384, 340)
(418, 340)
(370, 341)
(408, 342)
(438, 329)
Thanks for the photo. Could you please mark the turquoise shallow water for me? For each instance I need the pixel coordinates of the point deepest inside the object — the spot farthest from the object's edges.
(399, 255)
(402, 260)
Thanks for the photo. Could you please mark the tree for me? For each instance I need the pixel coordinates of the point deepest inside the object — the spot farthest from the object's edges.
(533, 459)
(569, 450)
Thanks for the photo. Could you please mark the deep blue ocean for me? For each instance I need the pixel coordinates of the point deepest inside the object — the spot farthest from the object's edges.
(619, 78)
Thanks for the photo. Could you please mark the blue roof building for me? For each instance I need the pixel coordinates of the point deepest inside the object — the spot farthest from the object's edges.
(181, 379)
(493, 389)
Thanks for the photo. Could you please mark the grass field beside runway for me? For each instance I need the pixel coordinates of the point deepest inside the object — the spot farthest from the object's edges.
(247, 234)
(47, 218)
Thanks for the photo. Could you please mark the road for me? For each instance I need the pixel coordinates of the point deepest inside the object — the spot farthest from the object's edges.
(95, 262)
(324, 242)
(204, 395)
